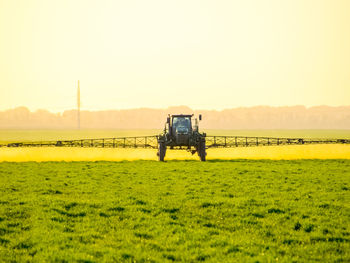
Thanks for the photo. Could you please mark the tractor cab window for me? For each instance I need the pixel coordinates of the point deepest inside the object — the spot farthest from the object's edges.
(182, 122)
(181, 125)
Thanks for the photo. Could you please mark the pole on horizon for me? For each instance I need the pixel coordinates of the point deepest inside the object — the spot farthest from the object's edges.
(78, 105)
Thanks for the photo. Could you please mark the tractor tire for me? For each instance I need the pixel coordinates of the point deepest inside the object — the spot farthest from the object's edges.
(201, 150)
(161, 151)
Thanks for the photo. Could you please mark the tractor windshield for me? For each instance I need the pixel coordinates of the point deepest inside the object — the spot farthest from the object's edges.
(183, 122)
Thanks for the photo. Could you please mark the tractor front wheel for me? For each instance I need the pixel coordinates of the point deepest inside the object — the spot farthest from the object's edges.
(201, 150)
(161, 151)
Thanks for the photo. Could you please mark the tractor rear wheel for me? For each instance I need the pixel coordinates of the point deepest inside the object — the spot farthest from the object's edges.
(201, 150)
(161, 151)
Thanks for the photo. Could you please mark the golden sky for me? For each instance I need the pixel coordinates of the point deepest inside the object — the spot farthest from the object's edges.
(203, 54)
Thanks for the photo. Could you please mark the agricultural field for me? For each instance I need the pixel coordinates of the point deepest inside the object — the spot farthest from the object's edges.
(290, 152)
(74, 205)
(146, 211)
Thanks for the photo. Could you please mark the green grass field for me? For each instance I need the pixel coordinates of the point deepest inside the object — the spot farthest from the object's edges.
(145, 211)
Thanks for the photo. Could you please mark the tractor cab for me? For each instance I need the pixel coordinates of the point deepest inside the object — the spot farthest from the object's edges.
(180, 124)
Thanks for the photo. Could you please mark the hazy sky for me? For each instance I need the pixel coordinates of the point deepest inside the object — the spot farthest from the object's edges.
(203, 54)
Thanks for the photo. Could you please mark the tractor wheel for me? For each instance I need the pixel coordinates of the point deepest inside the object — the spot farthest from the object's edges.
(161, 151)
(201, 150)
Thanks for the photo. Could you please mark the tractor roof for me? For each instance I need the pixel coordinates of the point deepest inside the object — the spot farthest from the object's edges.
(182, 115)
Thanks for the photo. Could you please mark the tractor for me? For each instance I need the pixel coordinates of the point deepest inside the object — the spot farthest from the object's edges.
(179, 133)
